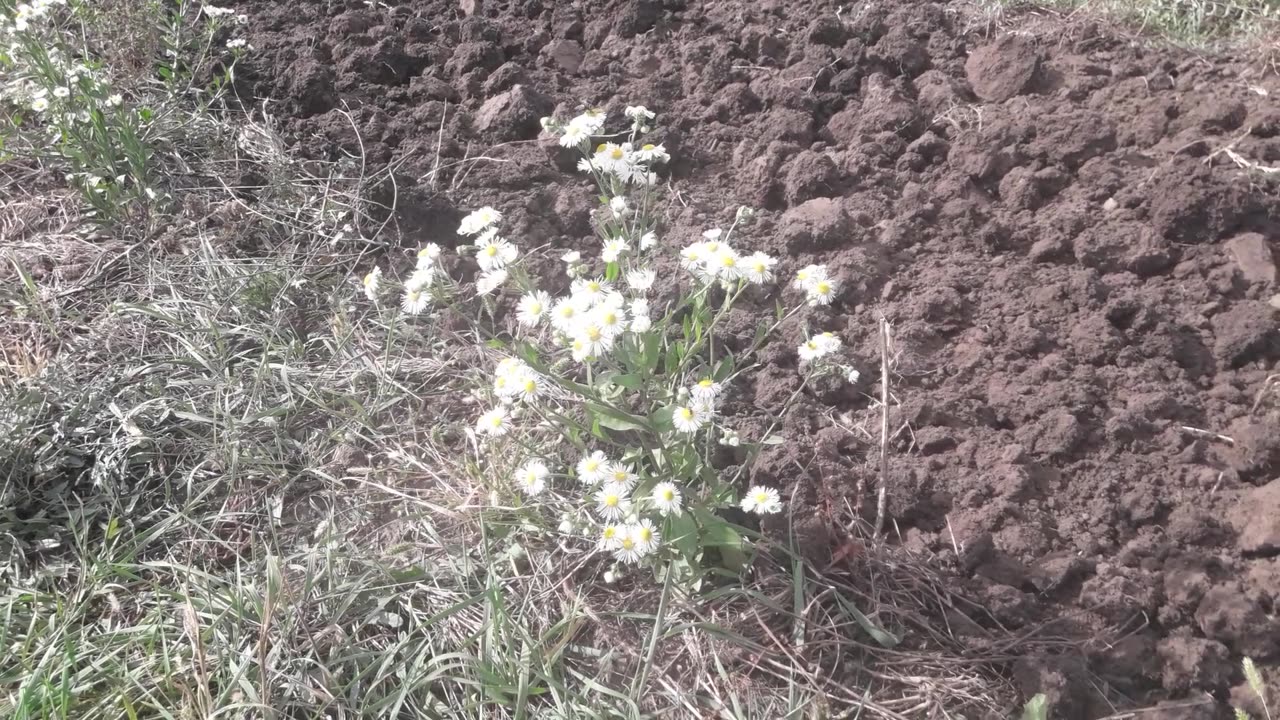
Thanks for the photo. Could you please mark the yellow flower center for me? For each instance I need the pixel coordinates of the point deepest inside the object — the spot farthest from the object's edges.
(591, 465)
(713, 246)
(611, 500)
(530, 478)
(610, 532)
(610, 318)
(567, 311)
(802, 275)
(628, 543)
(593, 286)
(368, 279)
(616, 154)
(535, 308)
(823, 288)
(728, 261)
(593, 334)
(811, 345)
(669, 495)
(530, 386)
(758, 267)
(685, 413)
(500, 382)
(620, 475)
(647, 147)
(495, 421)
(705, 382)
(414, 295)
(645, 534)
(762, 498)
(491, 251)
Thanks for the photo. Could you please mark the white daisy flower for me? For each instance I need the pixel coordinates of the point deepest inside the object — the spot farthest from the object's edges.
(40, 104)
(532, 477)
(528, 386)
(414, 301)
(829, 342)
(627, 551)
(420, 278)
(652, 154)
(758, 268)
(566, 313)
(592, 468)
(494, 422)
(724, 264)
(612, 320)
(61, 92)
(808, 275)
(612, 502)
(692, 256)
(640, 321)
(666, 498)
(730, 438)
(618, 206)
(762, 500)
(574, 135)
(712, 234)
(613, 249)
(532, 307)
(478, 220)
(853, 376)
(585, 166)
(590, 291)
(688, 418)
(115, 100)
(810, 350)
(639, 113)
(580, 350)
(428, 255)
(490, 281)
(372, 282)
(611, 536)
(619, 474)
(495, 253)
(822, 292)
(595, 340)
(645, 535)
(706, 390)
(648, 240)
(641, 280)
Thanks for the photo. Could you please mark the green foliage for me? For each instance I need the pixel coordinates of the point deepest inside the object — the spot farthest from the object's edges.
(1037, 708)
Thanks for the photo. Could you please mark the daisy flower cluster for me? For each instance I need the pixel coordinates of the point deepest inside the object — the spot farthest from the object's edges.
(71, 115)
(610, 366)
(817, 284)
(712, 259)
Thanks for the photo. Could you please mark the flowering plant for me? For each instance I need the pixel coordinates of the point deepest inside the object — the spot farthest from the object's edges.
(605, 410)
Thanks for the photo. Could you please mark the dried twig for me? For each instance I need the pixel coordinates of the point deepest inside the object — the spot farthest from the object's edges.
(884, 425)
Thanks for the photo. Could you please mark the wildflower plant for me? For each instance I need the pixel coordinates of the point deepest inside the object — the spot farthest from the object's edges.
(604, 412)
(63, 108)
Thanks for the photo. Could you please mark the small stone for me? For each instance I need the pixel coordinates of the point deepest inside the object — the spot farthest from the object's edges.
(470, 7)
(566, 54)
(819, 224)
(515, 114)
(1110, 204)
(1253, 257)
(1245, 333)
(1258, 519)
(1274, 302)
(1003, 69)
(1226, 615)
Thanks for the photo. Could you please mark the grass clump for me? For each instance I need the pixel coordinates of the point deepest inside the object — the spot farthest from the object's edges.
(1198, 24)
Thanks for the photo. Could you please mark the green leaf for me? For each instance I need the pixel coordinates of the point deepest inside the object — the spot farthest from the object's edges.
(630, 382)
(615, 419)
(660, 419)
(883, 637)
(682, 533)
(1037, 708)
(650, 353)
(612, 271)
(724, 369)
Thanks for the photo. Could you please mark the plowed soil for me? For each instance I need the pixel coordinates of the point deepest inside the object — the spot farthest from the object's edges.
(1060, 224)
